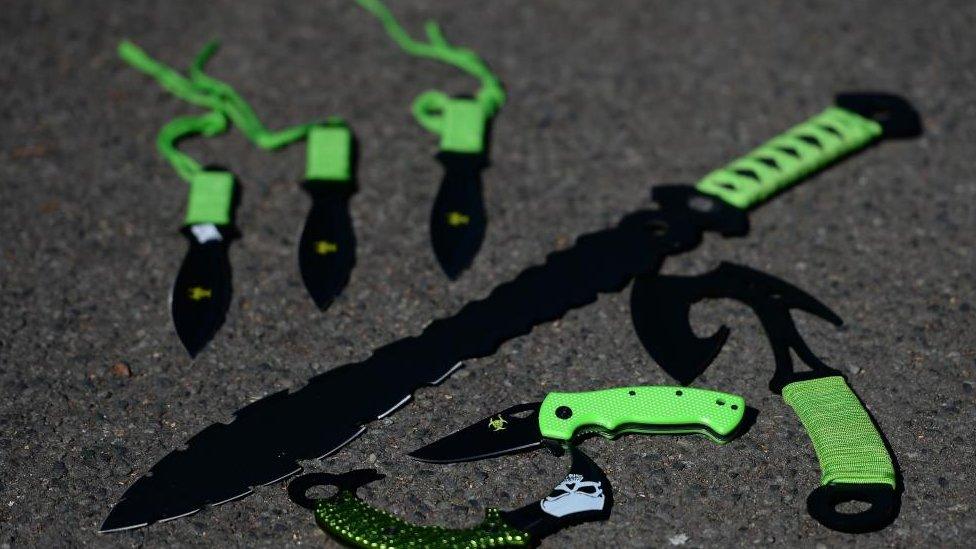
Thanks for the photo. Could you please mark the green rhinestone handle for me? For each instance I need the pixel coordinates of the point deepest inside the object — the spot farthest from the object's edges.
(848, 445)
(790, 157)
(647, 409)
(353, 521)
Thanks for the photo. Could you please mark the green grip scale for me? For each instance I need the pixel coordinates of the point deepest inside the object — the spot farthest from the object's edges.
(329, 153)
(847, 443)
(647, 409)
(790, 157)
(211, 198)
(353, 521)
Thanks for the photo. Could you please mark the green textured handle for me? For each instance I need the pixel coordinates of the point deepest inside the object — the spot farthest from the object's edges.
(647, 409)
(329, 153)
(211, 197)
(353, 521)
(848, 445)
(790, 157)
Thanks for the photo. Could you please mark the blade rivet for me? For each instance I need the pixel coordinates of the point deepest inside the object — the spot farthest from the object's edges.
(564, 412)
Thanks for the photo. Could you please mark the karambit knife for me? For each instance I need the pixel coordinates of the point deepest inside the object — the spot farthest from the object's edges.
(563, 418)
(584, 495)
(457, 219)
(327, 248)
(854, 459)
(267, 439)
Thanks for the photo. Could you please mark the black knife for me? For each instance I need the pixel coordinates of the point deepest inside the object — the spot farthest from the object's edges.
(327, 248)
(201, 293)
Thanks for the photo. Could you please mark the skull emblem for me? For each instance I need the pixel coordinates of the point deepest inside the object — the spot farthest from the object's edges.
(574, 495)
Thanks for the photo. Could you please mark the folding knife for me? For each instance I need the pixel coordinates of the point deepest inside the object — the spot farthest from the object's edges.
(563, 418)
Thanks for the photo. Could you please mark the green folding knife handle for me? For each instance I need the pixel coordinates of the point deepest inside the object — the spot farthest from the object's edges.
(847, 443)
(790, 157)
(645, 409)
(353, 521)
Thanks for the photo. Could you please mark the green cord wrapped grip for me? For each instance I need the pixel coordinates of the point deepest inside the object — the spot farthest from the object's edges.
(790, 157)
(329, 153)
(351, 520)
(211, 198)
(848, 445)
(645, 409)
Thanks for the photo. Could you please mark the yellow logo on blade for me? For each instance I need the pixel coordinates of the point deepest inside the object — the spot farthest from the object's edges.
(323, 247)
(456, 219)
(497, 423)
(197, 293)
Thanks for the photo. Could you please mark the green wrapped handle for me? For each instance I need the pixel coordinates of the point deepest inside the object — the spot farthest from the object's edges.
(856, 121)
(646, 409)
(854, 461)
(790, 157)
(354, 522)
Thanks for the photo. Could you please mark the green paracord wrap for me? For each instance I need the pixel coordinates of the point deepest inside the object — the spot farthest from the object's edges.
(353, 521)
(461, 123)
(790, 157)
(848, 445)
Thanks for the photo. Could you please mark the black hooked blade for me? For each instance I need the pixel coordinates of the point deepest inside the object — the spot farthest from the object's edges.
(585, 495)
(513, 430)
(202, 291)
(660, 308)
(327, 249)
(457, 220)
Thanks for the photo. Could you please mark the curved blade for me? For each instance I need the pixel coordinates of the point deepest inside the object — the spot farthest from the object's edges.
(585, 495)
(457, 220)
(202, 290)
(327, 249)
(513, 430)
(660, 308)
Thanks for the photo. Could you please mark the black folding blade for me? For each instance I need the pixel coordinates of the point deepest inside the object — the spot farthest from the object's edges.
(457, 220)
(202, 291)
(513, 430)
(584, 495)
(327, 249)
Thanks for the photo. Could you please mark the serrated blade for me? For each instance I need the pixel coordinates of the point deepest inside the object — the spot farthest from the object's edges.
(327, 249)
(202, 290)
(513, 430)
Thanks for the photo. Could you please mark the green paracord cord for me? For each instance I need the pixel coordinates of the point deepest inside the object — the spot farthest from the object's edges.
(353, 521)
(205, 91)
(789, 157)
(207, 125)
(848, 445)
(460, 123)
(211, 193)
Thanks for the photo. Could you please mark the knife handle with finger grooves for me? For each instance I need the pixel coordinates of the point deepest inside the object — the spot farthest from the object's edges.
(646, 409)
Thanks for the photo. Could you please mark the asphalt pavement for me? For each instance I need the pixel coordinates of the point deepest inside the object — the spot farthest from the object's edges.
(606, 100)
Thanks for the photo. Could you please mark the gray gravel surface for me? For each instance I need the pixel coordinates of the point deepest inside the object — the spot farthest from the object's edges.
(606, 100)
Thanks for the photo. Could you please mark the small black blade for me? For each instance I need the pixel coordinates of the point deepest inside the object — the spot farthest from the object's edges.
(202, 290)
(327, 249)
(513, 430)
(457, 220)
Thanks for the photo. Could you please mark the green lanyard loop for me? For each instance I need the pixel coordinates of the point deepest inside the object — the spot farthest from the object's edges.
(459, 122)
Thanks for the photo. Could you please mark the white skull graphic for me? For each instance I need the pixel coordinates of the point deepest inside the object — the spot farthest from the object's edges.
(574, 495)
